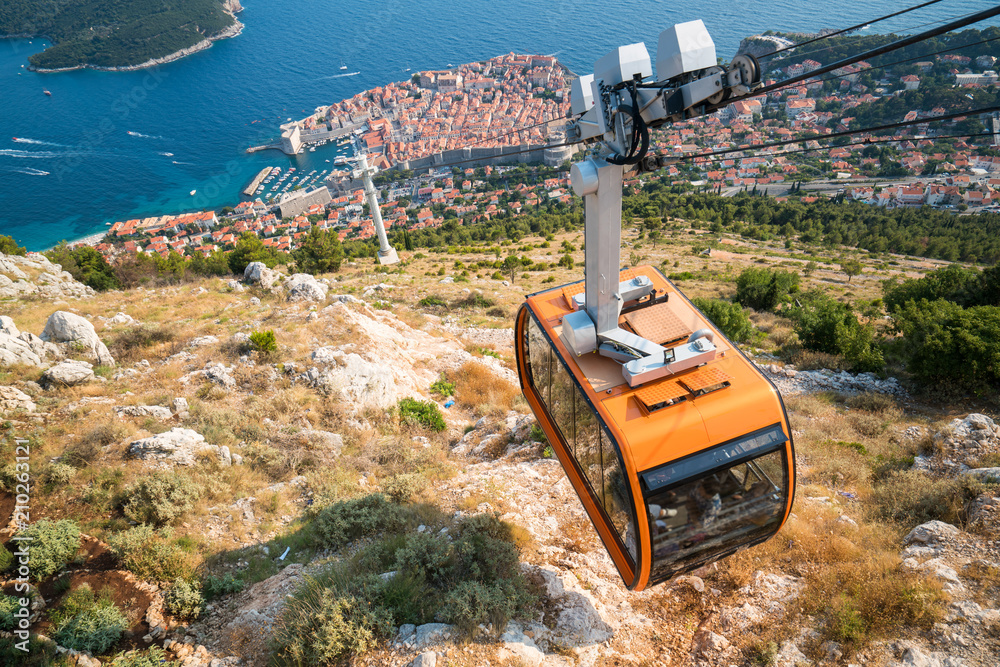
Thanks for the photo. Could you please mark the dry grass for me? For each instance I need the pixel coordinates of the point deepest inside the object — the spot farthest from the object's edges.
(480, 390)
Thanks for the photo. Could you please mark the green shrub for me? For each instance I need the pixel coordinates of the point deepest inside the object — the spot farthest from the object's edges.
(86, 265)
(87, 623)
(401, 488)
(149, 555)
(432, 301)
(475, 300)
(53, 544)
(59, 474)
(160, 498)
(950, 347)
(324, 626)
(215, 587)
(471, 604)
(343, 521)
(8, 605)
(320, 251)
(154, 656)
(731, 319)
(764, 289)
(184, 600)
(264, 342)
(6, 558)
(424, 413)
(8, 246)
(442, 387)
(826, 325)
(249, 248)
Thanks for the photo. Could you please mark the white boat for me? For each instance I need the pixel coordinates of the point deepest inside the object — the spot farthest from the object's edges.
(343, 66)
(192, 192)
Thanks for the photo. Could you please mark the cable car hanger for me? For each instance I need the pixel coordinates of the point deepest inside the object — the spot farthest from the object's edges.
(677, 445)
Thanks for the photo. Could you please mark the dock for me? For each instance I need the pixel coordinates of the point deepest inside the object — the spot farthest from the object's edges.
(250, 189)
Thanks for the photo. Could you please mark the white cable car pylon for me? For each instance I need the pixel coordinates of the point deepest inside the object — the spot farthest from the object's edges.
(386, 253)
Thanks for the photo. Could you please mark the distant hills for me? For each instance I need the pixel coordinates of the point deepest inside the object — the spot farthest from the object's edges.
(117, 34)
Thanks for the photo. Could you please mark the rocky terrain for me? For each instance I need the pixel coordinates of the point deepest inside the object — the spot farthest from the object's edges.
(163, 381)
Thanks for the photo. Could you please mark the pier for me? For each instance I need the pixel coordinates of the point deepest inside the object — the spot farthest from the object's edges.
(250, 189)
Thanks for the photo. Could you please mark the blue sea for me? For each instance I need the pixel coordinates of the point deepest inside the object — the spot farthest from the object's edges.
(109, 146)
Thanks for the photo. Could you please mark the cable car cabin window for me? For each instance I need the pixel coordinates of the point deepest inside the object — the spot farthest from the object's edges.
(698, 509)
(595, 454)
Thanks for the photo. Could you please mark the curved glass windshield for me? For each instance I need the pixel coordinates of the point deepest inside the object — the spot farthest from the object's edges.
(699, 510)
(594, 452)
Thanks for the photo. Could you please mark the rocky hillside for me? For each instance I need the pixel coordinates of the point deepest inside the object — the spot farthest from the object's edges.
(192, 478)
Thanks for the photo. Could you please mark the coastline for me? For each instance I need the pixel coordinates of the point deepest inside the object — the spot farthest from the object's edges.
(232, 31)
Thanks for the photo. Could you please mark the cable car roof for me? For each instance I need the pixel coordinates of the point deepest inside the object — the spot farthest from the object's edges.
(700, 407)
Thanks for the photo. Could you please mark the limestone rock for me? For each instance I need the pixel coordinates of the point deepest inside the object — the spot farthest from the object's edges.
(425, 659)
(8, 327)
(154, 411)
(203, 341)
(180, 407)
(13, 399)
(706, 641)
(931, 532)
(332, 442)
(68, 374)
(15, 351)
(65, 327)
(179, 446)
(257, 273)
(304, 287)
(521, 646)
(358, 381)
(432, 633)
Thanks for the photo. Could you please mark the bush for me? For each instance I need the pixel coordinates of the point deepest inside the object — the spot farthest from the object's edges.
(346, 520)
(442, 387)
(424, 413)
(149, 555)
(402, 488)
(950, 347)
(249, 248)
(89, 624)
(8, 246)
(480, 389)
(151, 657)
(59, 474)
(324, 626)
(432, 301)
(6, 558)
(86, 265)
(184, 600)
(319, 252)
(8, 605)
(826, 325)
(215, 587)
(471, 604)
(160, 498)
(264, 342)
(910, 498)
(475, 300)
(53, 544)
(764, 289)
(130, 345)
(731, 319)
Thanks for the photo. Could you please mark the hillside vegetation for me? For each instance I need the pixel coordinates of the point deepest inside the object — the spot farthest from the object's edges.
(112, 33)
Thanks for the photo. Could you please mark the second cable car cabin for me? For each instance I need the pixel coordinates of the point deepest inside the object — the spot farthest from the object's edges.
(676, 472)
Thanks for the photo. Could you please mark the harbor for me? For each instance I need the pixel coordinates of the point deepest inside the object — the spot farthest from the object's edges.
(251, 189)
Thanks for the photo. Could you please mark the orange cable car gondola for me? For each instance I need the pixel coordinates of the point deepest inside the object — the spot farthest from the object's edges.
(678, 447)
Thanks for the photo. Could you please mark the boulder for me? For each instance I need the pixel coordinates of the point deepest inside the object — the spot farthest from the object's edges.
(64, 327)
(203, 341)
(68, 373)
(706, 641)
(154, 411)
(14, 351)
(304, 287)
(179, 446)
(41, 348)
(332, 442)
(932, 532)
(122, 318)
(8, 327)
(425, 659)
(13, 399)
(180, 407)
(358, 381)
(257, 273)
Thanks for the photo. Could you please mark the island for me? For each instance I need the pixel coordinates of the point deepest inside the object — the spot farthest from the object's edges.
(110, 35)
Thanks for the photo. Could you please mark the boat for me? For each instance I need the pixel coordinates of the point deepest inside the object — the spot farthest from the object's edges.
(192, 192)
(343, 65)
(46, 92)
(340, 159)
